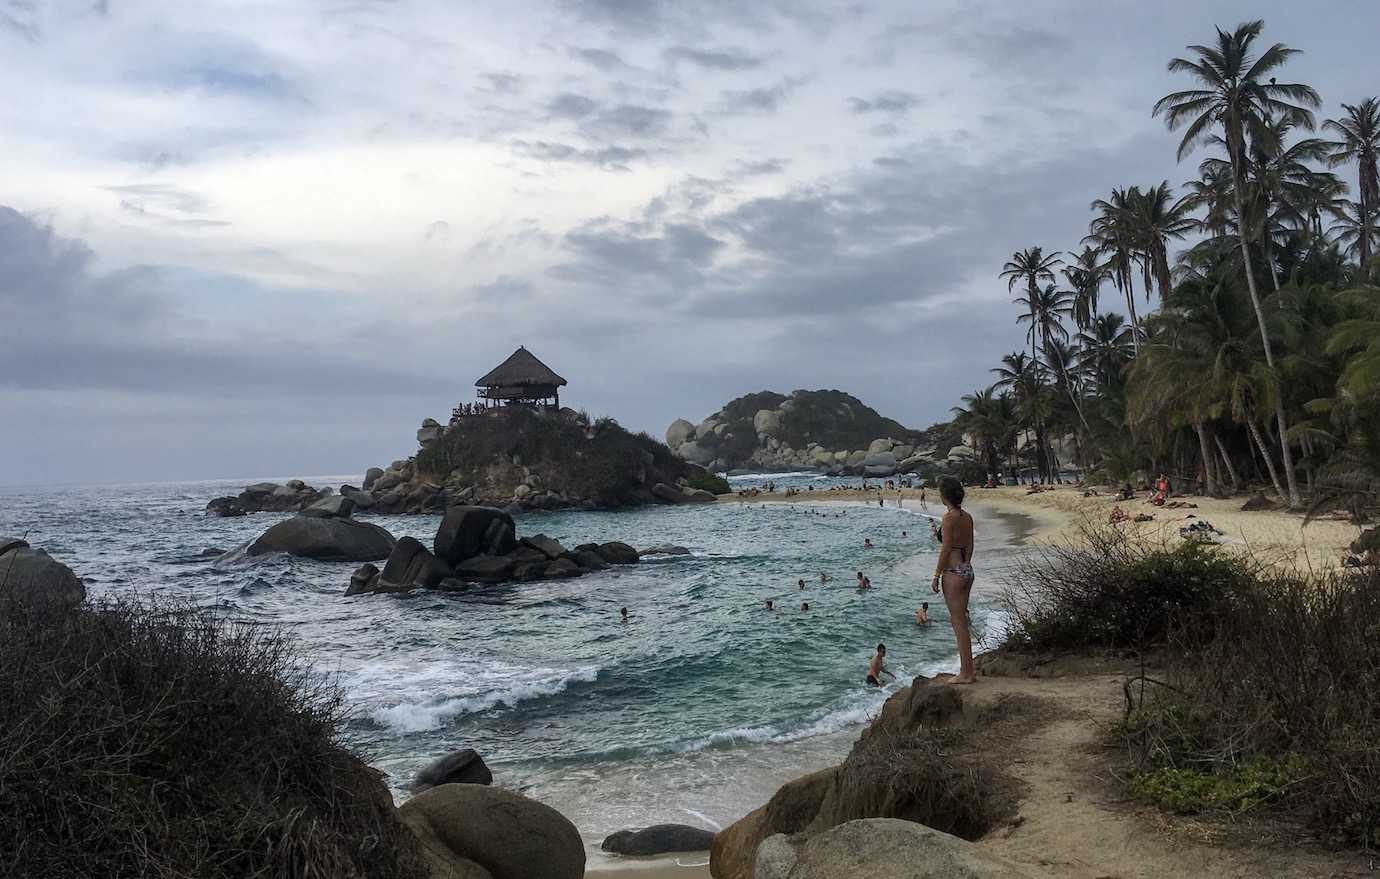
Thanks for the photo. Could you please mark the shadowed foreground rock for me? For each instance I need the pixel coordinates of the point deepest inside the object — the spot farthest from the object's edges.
(659, 839)
(35, 579)
(882, 847)
(469, 831)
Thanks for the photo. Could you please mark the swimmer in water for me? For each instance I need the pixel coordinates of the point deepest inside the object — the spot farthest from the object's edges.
(867, 543)
(804, 606)
(877, 667)
(800, 582)
(922, 616)
(624, 612)
(770, 605)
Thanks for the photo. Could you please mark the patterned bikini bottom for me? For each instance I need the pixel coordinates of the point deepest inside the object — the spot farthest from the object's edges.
(964, 570)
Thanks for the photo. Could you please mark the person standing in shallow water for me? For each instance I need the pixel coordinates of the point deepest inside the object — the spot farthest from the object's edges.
(953, 573)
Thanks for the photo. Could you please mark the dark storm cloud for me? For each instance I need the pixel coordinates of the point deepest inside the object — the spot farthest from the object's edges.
(885, 102)
(600, 59)
(568, 105)
(80, 329)
(629, 120)
(757, 100)
(714, 59)
(612, 157)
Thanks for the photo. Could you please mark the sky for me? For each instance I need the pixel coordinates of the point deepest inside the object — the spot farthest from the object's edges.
(247, 239)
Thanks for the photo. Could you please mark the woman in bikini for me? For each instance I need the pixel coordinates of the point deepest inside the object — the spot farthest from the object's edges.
(954, 570)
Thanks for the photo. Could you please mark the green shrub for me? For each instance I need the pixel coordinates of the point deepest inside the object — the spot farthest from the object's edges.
(1106, 591)
(1238, 789)
(707, 481)
(147, 741)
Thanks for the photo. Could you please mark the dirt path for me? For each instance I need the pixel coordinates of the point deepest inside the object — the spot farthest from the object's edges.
(1074, 822)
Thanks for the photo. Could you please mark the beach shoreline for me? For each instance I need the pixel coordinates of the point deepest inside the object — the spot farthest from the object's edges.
(1275, 537)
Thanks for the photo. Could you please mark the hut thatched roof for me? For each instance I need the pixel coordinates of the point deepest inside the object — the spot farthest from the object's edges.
(521, 368)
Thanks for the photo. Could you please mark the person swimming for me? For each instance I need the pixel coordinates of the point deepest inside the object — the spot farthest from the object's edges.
(804, 606)
(800, 582)
(624, 613)
(867, 543)
(922, 616)
(877, 667)
(770, 605)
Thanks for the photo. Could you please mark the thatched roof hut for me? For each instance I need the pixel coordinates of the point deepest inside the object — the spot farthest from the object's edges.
(522, 378)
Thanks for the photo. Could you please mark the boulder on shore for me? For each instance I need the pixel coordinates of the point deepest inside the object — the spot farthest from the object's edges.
(659, 839)
(329, 540)
(509, 835)
(31, 578)
(458, 767)
(616, 552)
(549, 547)
(897, 850)
(333, 506)
(466, 532)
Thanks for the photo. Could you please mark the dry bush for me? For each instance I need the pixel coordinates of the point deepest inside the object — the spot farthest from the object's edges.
(1282, 707)
(157, 741)
(1105, 590)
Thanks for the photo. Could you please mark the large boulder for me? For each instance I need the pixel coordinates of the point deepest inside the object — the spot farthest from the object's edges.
(767, 422)
(335, 506)
(880, 445)
(549, 547)
(225, 507)
(329, 540)
(776, 857)
(32, 578)
(509, 835)
(466, 532)
(372, 476)
(697, 453)
(679, 433)
(664, 549)
(668, 493)
(879, 464)
(487, 568)
(616, 552)
(458, 767)
(897, 850)
(659, 839)
(410, 565)
(790, 810)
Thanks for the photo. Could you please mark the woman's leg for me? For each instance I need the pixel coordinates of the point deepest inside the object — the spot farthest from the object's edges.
(956, 589)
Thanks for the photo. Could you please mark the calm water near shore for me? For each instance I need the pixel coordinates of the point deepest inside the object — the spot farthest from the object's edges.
(695, 711)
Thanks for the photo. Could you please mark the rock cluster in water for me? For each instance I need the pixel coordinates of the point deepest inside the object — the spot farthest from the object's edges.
(480, 545)
(827, 431)
(32, 579)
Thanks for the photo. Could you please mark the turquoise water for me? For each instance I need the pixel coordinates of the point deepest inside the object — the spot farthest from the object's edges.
(694, 710)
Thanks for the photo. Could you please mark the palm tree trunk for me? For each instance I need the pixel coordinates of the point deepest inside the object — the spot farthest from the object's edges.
(1209, 484)
(1265, 453)
(1231, 470)
(1264, 334)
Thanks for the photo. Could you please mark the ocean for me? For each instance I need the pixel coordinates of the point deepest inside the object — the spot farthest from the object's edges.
(694, 711)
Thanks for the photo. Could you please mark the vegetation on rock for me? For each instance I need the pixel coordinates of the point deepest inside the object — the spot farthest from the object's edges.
(163, 741)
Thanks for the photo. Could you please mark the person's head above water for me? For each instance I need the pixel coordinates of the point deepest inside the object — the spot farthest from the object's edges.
(769, 605)
(881, 648)
(804, 605)
(924, 605)
(951, 490)
(800, 582)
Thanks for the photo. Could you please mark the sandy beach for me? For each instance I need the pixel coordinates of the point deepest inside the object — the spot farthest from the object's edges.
(692, 866)
(1272, 536)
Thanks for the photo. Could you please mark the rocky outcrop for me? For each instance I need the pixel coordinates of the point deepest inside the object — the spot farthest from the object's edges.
(659, 839)
(827, 431)
(325, 539)
(35, 580)
(682, 494)
(467, 826)
(882, 847)
(292, 496)
(458, 767)
(895, 770)
(664, 549)
(480, 545)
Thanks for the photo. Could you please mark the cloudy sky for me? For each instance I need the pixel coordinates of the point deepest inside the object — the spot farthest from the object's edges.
(269, 238)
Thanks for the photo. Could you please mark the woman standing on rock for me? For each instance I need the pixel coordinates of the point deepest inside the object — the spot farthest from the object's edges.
(954, 570)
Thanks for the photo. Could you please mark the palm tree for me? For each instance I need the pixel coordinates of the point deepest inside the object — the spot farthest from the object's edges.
(1155, 218)
(1105, 348)
(1237, 99)
(1356, 231)
(1085, 275)
(1030, 267)
(1359, 142)
(1112, 232)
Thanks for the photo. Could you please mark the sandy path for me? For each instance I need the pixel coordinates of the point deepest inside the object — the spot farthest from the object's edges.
(1074, 822)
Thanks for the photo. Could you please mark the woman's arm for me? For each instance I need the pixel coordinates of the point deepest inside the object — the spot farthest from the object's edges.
(948, 526)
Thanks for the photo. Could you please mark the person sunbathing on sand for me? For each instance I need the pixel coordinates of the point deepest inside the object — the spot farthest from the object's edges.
(877, 667)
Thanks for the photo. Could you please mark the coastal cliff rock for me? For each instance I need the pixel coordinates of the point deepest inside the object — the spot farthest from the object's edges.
(330, 540)
(896, 769)
(508, 836)
(828, 431)
(292, 496)
(33, 579)
(659, 839)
